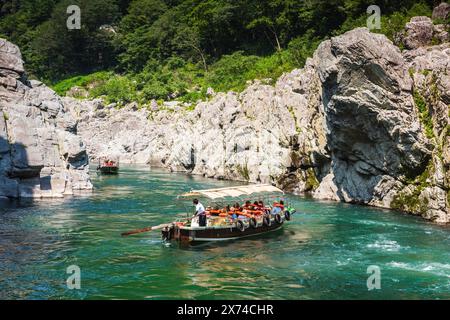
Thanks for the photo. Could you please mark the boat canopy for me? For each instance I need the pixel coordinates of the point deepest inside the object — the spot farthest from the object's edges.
(232, 191)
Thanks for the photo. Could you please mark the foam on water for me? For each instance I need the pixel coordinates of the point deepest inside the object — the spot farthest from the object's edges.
(385, 245)
(439, 269)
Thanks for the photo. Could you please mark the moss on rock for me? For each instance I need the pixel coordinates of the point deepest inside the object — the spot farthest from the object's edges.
(311, 181)
(409, 200)
(243, 171)
(424, 114)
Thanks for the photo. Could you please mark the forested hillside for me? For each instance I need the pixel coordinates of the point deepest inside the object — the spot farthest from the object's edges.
(163, 49)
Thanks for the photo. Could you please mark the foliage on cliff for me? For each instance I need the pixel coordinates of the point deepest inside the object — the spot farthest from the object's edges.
(178, 48)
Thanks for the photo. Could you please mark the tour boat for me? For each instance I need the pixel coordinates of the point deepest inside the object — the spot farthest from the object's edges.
(222, 225)
(108, 167)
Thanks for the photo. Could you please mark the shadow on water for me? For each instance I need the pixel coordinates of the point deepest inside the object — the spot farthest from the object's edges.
(12, 203)
(20, 171)
(276, 235)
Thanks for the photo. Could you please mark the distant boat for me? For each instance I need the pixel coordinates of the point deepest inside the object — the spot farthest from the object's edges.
(108, 166)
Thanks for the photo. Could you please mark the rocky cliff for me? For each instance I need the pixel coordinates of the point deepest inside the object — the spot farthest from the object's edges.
(362, 122)
(41, 154)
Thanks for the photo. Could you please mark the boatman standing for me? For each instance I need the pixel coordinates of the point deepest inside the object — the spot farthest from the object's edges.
(200, 212)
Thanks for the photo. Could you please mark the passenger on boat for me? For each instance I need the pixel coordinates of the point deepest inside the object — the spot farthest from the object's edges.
(213, 211)
(278, 207)
(200, 212)
(234, 210)
(109, 163)
(263, 208)
(233, 213)
(247, 205)
(237, 207)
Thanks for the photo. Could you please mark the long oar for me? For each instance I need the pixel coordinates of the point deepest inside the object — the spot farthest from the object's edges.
(128, 233)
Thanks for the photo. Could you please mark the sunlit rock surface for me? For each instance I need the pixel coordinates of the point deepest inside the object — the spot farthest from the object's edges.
(362, 122)
(41, 155)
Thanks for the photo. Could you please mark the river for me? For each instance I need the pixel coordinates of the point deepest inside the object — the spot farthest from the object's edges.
(323, 253)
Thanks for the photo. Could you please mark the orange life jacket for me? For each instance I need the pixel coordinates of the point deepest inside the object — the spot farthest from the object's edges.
(279, 205)
(256, 212)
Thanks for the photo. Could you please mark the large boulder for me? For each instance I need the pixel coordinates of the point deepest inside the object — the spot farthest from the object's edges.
(421, 32)
(442, 11)
(372, 130)
(12, 74)
(26, 155)
(11, 63)
(378, 104)
(40, 153)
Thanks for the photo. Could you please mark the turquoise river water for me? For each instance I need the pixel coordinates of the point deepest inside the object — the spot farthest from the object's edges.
(323, 253)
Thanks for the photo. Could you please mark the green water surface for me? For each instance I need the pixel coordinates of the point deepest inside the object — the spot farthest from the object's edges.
(323, 253)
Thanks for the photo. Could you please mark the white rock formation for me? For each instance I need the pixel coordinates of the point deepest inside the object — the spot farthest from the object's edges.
(349, 126)
(40, 153)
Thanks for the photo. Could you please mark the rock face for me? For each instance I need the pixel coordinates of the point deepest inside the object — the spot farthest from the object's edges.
(420, 32)
(373, 136)
(382, 134)
(362, 122)
(442, 11)
(40, 153)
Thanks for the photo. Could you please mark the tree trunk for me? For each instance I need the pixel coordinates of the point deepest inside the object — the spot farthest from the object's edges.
(200, 52)
(276, 39)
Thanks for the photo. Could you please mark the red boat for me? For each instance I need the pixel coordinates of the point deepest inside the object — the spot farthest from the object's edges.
(107, 166)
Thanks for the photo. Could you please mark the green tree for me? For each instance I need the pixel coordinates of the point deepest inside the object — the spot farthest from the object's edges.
(19, 18)
(184, 45)
(135, 42)
(56, 52)
(277, 19)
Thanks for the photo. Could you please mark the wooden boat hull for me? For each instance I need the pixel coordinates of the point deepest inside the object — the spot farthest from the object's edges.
(108, 170)
(207, 234)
